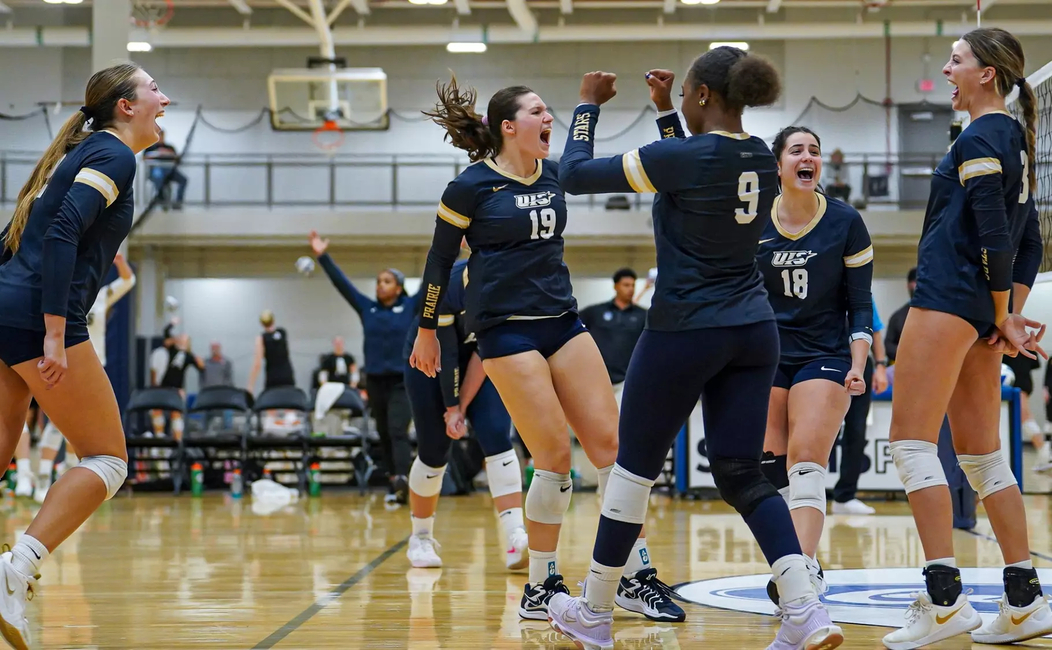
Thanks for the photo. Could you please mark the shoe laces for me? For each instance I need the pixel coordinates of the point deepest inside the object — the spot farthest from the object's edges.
(920, 606)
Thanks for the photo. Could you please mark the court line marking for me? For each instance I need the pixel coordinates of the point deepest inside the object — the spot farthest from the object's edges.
(994, 540)
(328, 598)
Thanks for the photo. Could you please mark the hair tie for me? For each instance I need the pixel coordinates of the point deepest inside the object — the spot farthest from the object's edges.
(485, 120)
(88, 113)
(1021, 82)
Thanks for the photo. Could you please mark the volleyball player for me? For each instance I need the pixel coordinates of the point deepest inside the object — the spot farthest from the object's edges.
(440, 406)
(71, 217)
(978, 256)
(272, 355)
(710, 331)
(816, 259)
(544, 364)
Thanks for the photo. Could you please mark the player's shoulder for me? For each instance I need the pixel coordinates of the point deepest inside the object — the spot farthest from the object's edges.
(103, 145)
(549, 168)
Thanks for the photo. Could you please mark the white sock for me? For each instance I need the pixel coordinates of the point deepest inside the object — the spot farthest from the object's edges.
(45, 468)
(511, 520)
(793, 579)
(638, 559)
(25, 467)
(542, 565)
(422, 527)
(27, 556)
(601, 586)
(945, 561)
(1031, 428)
(1025, 564)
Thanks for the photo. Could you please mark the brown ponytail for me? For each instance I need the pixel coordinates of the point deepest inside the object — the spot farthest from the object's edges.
(104, 90)
(465, 129)
(1028, 102)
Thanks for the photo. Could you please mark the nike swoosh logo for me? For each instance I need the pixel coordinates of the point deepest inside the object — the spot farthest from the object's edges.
(830, 369)
(939, 620)
(497, 189)
(563, 489)
(7, 583)
(805, 471)
(35, 553)
(507, 463)
(432, 475)
(764, 241)
(1019, 621)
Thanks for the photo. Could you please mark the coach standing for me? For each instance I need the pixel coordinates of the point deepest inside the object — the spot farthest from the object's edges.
(616, 326)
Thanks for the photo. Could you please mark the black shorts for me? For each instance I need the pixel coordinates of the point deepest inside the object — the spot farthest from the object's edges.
(20, 345)
(982, 328)
(545, 335)
(832, 368)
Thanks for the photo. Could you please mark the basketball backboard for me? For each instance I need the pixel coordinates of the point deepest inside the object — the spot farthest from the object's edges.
(304, 99)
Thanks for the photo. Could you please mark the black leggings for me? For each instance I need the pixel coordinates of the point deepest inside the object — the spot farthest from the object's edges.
(853, 441)
(389, 406)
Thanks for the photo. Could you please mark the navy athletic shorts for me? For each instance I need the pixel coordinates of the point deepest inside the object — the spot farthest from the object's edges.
(545, 335)
(832, 368)
(19, 345)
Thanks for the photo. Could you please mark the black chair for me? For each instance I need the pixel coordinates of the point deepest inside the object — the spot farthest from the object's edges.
(210, 400)
(145, 400)
(281, 398)
(350, 402)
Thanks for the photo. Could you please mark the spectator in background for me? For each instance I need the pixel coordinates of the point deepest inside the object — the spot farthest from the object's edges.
(898, 319)
(853, 438)
(616, 326)
(160, 355)
(219, 370)
(1023, 367)
(338, 365)
(272, 347)
(180, 359)
(164, 158)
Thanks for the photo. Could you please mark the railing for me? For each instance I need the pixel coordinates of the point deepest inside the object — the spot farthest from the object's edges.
(408, 181)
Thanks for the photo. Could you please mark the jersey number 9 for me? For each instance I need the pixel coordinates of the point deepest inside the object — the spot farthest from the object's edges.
(748, 193)
(544, 225)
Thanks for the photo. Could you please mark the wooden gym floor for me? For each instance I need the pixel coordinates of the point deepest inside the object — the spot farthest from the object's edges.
(155, 571)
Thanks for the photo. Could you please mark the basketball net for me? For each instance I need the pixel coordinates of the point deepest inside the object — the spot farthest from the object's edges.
(151, 15)
(329, 137)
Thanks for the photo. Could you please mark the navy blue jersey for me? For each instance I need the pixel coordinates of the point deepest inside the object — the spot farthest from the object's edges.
(75, 227)
(980, 215)
(818, 281)
(514, 227)
(714, 195)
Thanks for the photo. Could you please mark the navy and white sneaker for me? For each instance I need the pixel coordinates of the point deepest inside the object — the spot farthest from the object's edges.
(535, 597)
(644, 594)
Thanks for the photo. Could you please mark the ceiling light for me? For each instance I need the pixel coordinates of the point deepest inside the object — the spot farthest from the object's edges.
(139, 46)
(466, 48)
(741, 45)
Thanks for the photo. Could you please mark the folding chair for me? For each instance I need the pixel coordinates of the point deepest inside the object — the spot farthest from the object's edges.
(155, 399)
(350, 401)
(219, 399)
(281, 398)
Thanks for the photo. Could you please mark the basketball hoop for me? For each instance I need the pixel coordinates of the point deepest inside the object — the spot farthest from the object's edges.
(151, 15)
(329, 137)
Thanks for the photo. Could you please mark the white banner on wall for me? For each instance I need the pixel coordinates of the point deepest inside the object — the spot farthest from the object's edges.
(879, 471)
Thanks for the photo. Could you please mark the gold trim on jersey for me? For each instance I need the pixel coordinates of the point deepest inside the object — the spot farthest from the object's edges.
(810, 224)
(101, 182)
(529, 180)
(978, 167)
(635, 174)
(445, 320)
(449, 215)
(861, 258)
(535, 317)
(734, 136)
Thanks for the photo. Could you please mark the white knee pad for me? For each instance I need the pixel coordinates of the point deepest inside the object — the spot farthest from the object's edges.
(424, 480)
(51, 438)
(785, 494)
(110, 469)
(627, 497)
(602, 477)
(504, 474)
(918, 464)
(807, 486)
(548, 497)
(987, 473)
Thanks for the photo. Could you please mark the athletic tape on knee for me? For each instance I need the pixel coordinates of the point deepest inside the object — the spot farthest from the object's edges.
(548, 497)
(627, 497)
(51, 438)
(807, 486)
(424, 480)
(602, 478)
(504, 474)
(987, 473)
(110, 469)
(918, 464)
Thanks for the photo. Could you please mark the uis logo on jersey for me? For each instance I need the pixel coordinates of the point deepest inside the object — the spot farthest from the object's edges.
(535, 200)
(791, 258)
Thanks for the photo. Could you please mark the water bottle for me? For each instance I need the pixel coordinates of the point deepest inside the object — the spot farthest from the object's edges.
(12, 471)
(315, 480)
(529, 474)
(197, 479)
(236, 485)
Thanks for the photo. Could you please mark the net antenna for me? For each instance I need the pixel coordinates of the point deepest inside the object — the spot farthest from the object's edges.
(1041, 82)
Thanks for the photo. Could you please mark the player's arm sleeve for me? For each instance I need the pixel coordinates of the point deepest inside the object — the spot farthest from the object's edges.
(669, 125)
(1031, 250)
(95, 187)
(657, 167)
(858, 279)
(455, 211)
(356, 299)
(449, 378)
(118, 289)
(979, 169)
